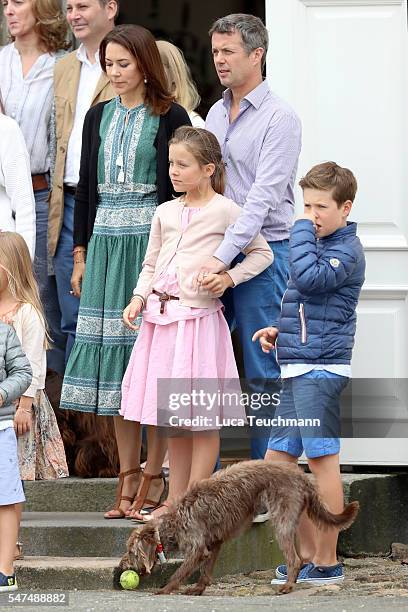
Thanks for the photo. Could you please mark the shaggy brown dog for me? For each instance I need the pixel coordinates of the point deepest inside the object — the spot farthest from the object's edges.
(218, 508)
(89, 440)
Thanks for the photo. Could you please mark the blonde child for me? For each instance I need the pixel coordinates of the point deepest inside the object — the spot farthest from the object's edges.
(41, 452)
(180, 81)
(184, 335)
(15, 377)
(40, 448)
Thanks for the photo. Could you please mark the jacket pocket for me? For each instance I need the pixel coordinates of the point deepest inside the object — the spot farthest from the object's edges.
(303, 328)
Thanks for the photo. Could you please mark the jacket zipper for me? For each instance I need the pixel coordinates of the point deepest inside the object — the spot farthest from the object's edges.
(303, 330)
(276, 342)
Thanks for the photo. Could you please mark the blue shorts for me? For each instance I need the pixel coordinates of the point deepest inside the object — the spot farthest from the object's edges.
(11, 490)
(312, 404)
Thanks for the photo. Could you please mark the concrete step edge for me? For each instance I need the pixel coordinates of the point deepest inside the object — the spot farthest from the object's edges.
(82, 573)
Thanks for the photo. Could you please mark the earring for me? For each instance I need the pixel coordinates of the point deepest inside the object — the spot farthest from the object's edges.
(145, 81)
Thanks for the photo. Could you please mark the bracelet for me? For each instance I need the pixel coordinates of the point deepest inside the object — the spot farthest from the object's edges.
(139, 297)
(26, 410)
(79, 249)
(79, 260)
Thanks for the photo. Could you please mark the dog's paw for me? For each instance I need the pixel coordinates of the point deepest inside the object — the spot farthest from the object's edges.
(164, 591)
(194, 590)
(284, 589)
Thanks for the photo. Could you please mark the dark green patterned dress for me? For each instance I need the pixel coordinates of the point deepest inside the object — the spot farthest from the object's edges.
(126, 204)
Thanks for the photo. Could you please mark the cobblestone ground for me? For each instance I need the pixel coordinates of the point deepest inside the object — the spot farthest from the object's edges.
(372, 584)
(371, 576)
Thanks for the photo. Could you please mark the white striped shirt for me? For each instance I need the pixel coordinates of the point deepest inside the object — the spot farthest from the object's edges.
(29, 101)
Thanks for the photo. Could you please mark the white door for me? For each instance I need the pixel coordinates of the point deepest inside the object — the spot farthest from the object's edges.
(342, 64)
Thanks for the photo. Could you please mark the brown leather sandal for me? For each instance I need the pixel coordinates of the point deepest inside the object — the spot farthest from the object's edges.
(142, 501)
(149, 516)
(120, 497)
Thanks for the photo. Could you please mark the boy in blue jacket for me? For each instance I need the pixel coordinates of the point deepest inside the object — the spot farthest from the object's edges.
(316, 336)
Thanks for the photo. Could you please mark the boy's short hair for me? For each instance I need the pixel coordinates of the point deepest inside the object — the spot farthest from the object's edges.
(331, 177)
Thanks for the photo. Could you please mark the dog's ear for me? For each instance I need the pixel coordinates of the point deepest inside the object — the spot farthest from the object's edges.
(146, 547)
(132, 538)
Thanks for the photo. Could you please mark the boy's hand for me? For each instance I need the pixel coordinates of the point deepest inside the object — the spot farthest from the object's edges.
(217, 283)
(307, 215)
(267, 338)
(131, 312)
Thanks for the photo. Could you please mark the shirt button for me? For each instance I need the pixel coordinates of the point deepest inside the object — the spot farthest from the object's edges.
(62, 149)
(227, 139)
(13, 115)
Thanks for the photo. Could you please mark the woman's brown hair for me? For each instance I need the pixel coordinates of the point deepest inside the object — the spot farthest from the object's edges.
(51, 26)
(204, 146)
(141, 44)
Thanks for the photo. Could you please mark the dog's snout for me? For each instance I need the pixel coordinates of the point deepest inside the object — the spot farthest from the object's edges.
(126, 562)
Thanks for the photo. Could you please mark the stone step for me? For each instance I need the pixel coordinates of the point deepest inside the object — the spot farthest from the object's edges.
(383, 498)
(383, 516)
(75, 494)
(81, 534)
(81, 573)
(70, 495)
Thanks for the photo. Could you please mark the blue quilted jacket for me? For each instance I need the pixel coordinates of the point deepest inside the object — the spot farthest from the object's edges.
(318, 315)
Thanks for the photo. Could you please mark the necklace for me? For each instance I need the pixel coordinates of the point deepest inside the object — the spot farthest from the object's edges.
(120, 162)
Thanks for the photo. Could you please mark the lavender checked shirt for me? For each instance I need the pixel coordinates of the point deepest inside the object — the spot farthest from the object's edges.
(260, 148)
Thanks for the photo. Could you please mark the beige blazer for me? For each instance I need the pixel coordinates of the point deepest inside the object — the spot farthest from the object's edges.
(200, 240)
(67, 73)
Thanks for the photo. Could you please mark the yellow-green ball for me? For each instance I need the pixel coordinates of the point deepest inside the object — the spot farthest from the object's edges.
(129, 580)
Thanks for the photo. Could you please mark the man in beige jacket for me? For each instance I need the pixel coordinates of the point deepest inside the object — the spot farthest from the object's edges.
(79, 83)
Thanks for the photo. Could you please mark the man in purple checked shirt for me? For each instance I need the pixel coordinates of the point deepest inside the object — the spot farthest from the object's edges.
(260, 137)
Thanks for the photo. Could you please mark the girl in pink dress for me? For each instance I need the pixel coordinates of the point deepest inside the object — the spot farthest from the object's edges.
(184, 343)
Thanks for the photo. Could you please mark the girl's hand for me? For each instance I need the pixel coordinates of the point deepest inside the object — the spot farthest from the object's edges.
(267, 338)
(131, 312)
(76, 278)
(23, 416)
(217, 283)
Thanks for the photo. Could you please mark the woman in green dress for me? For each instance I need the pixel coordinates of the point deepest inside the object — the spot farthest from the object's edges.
(123, 177)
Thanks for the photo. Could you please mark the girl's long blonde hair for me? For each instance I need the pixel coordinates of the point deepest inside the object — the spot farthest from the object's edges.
(16, 262)
(179, 79)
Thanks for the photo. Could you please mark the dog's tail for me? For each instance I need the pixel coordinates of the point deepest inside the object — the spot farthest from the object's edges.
(322, 517)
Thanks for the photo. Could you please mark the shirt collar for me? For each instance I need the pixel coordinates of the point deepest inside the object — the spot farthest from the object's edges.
(83, 58)
(254, 97)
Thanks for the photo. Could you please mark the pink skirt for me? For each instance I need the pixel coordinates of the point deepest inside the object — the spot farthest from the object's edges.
(170, 360)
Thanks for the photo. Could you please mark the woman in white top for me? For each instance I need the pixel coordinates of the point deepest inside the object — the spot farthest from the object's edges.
(38, 30)
(180, 81)
(17, 206)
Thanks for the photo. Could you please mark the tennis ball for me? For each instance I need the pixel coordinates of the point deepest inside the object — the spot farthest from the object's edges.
(129, 580)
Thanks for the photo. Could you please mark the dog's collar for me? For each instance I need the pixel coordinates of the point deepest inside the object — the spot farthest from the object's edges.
(160, 553)
(159, 548)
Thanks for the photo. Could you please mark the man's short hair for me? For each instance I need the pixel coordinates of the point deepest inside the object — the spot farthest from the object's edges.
(252, 29)
(331, 177)
(105, 2)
